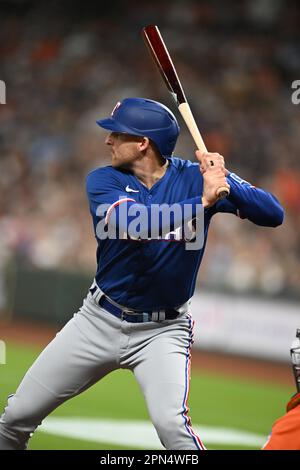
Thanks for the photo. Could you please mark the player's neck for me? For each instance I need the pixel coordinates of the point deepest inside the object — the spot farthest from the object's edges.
(150, 170)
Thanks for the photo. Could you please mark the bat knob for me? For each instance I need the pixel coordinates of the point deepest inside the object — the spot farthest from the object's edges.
(223, 192)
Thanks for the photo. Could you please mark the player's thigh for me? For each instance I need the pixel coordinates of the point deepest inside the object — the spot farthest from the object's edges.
(80, 355)
(163, 368)
(77, 357)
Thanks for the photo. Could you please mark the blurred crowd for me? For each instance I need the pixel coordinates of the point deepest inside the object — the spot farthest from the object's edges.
(64, 67)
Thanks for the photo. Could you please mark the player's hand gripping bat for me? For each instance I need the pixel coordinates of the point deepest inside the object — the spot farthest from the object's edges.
(161, 56)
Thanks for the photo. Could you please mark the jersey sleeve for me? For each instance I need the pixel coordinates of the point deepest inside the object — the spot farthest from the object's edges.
(249, 202)
(105, 189)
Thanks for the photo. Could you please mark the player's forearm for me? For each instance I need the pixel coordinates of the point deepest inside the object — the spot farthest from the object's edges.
(154, 218)
(259, 206)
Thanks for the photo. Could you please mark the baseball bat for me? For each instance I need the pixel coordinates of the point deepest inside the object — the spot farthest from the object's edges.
(161, 56)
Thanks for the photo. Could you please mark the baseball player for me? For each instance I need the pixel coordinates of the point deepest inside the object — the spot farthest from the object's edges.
(136, 315)
(285, 433)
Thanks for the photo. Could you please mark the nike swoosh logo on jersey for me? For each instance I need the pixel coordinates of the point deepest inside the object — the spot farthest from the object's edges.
(129, 190)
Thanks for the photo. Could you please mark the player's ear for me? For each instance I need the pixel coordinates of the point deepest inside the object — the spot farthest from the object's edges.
(144, 144)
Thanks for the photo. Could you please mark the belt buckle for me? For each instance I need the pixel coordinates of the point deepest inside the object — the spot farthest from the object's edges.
(144, 316)
(126, 311)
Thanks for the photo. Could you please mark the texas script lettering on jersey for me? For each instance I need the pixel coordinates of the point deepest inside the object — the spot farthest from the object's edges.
(158, 224)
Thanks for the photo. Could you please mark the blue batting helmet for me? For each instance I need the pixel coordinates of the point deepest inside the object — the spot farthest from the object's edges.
(147, 118)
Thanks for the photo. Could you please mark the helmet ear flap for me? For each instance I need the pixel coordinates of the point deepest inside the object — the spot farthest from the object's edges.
(145, 118)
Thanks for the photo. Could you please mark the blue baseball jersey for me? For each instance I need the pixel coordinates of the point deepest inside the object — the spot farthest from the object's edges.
(161, 273)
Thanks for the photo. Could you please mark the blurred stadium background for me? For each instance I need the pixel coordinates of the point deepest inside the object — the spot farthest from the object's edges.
(66, 64)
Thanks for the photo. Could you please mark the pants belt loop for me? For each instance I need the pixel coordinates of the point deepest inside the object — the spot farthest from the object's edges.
(155, 316)
(158, 315)
(97, 294)
(161, 315)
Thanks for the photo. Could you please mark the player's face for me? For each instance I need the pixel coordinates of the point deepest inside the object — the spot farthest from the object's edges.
(124, 149)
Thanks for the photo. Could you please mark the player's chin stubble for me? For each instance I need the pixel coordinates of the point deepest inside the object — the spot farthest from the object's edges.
(119, 163)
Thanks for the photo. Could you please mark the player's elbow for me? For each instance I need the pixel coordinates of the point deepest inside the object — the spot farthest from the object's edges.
(277, 216)
(274, 212)
(271, 217)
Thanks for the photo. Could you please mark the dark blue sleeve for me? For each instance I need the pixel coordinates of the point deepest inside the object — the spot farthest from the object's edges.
(249, 202)
(103, 187)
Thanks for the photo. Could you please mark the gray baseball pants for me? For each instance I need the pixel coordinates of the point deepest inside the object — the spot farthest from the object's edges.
(92, 344)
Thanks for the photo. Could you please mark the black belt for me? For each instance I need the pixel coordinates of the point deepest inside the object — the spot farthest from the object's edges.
(135, 316)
